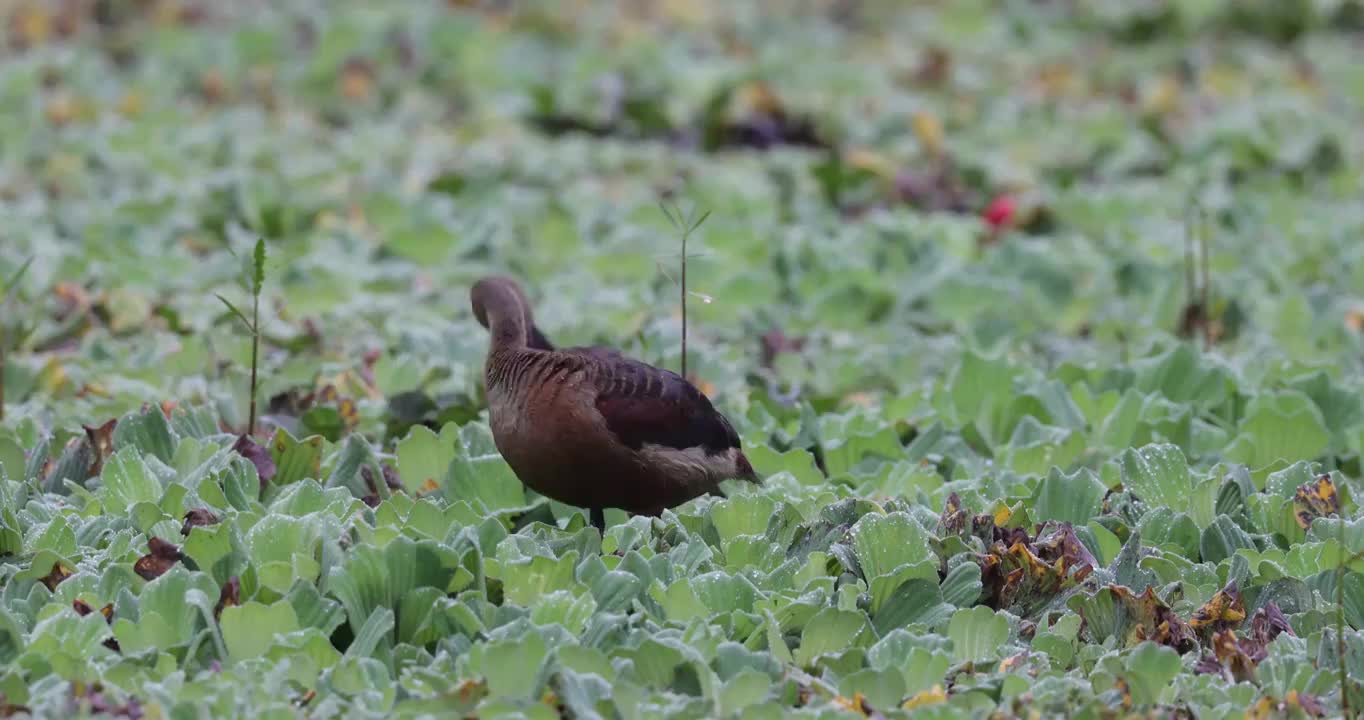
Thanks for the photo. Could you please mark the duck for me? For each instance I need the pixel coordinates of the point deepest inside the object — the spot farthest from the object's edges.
(592, 427)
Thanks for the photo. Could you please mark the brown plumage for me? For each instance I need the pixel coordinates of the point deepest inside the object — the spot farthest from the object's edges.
(593, 428)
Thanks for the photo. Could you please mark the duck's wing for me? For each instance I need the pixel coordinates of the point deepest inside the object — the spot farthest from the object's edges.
(536, 340)
(644, 405)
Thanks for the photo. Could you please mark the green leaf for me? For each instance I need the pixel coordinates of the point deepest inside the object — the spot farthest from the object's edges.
(1279, 429)
(325, 421)
(250, 629)
(127, 481)
(743, 515)
(238, 313)
(1149, 669)
(797, 461)
(512, 667)
(881, 688)
(916, 601)
(313, 610)
(488, 482)
(149, 432)
(1285, 483)
(258, 267)
(748, 687)
(1222, 539)
(374, 634)
(831, 631)
(309, 653)
(1073, 498)
(977, 634)
(212, 550)
(425, 457)
(11, 458)
(962, 586)
(1159, 476)
(283, 550)
(979, 385)
(614, 590)
(885, 542)
(165, 619)
(296, 459)
(12, 282)
(921, 667)
(525, 581)
(372, 578)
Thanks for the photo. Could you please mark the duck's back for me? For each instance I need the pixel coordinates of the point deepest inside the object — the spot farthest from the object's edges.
(594, 428)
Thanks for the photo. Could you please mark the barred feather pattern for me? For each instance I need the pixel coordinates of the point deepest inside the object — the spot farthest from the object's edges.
(592, 427)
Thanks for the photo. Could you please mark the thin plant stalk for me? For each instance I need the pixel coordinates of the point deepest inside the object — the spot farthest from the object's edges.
(1190, 291)
(1340, 618)
(1204, 299)
(255, 355)
(252, 324)
(684, 304)
(10, 287)
(4, 341)
(685, 226)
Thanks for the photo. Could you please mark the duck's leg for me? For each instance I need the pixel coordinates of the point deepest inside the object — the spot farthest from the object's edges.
(598, 516)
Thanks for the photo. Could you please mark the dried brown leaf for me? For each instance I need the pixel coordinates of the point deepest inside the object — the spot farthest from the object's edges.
(56, 577)
(229, 596)
(259, 456)
(102, 440)
(162, 557)
(198, 517)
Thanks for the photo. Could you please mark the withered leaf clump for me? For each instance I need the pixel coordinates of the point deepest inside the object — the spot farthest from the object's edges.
(1224, 611)
(1152, 619)
(1236, 658)
(1025, 574)
(1232, 658)
(953, 518)
(1273, 707)
(91, 700)
(162, 557)
(1134, 618)
(1315, 499)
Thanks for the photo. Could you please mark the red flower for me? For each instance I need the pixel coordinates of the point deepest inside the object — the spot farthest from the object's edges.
(1000, 212)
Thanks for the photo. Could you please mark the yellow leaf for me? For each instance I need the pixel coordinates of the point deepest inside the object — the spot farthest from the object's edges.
(870, 161)
(61, 109)
(130, 105)
(1162, 98)
(928, 129)
(933, 696)
(760, 98)
(687, 12)
(856, 703)
(32, 25)
(52, 377)
(1057, 79)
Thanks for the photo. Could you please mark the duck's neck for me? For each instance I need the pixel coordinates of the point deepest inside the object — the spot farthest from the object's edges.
(507, 326)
